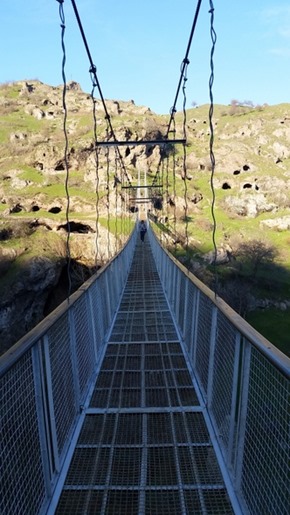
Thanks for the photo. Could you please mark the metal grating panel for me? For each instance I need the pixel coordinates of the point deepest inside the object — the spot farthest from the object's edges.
(20, 469)
(79, 502)
(84, 344)
(189, 321)
(63, 386)
(181, 301)
(159, 458)
(97, 313)
(103, 302)
(89, 466)
(198, 465)
(214, 501)
(143, 326)
(164, 378)
(122, 501)
(266, 445)
(147, 454)
(203, 348)
(165, 502)
(223, 377)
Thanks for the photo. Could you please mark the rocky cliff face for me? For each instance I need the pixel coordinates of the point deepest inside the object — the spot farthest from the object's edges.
(23, 300)
(251, 181)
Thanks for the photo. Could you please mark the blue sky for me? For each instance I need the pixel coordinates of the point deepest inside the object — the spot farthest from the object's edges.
(138, 47)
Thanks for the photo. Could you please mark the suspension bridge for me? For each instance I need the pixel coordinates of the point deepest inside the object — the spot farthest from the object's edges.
(144, 392)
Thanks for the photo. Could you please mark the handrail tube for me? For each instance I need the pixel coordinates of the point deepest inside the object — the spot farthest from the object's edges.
(280, 360)
(245, 383)
(28, 340)
(44, 380)
(246, 394)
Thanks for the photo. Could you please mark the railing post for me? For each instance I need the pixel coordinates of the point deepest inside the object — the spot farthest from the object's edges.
(235, 389)
(245, 374)
(185, 314)
(50, 402)
(173, 289)
(211, 356)
(73, 346)
(43, 428)
(92, 324)
(164, 266)
(195, 326)
(176, 297)
(108, 300)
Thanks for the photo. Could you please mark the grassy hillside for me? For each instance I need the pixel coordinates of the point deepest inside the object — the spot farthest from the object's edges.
(251, 180)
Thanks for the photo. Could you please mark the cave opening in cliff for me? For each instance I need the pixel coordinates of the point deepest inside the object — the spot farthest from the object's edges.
(158, 203)
(54, 210)
(76, 227)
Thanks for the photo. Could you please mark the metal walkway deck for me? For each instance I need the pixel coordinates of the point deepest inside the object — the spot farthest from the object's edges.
(144, 446)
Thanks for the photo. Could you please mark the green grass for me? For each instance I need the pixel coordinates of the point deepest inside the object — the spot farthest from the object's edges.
(57, 191)
(117, 226)
(18, 121)
(8, 90)
(31, 174)
(274, 325)
(46, 243)
(42, 213)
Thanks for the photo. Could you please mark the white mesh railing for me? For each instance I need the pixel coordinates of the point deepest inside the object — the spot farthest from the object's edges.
(245, 383)
(44, 380)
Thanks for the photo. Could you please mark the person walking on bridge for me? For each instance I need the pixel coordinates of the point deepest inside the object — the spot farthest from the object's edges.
(143, 230)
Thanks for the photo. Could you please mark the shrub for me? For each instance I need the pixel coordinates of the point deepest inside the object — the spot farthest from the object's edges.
(256, 253)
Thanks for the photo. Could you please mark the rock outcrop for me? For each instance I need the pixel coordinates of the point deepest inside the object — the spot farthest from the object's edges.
(22, 302)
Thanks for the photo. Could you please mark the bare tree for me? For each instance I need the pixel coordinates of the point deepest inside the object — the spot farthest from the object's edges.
(234, 107)
(237, 294)
(256, 253)
(248, 103)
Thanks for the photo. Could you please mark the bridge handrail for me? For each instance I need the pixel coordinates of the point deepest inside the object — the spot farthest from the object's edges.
(278, 358)
(44, 379)
(244, 381)
(28, 340)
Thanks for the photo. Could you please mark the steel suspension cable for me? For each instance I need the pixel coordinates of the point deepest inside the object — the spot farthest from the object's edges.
(116, 181)
(96, 154)
(167, 188)
(93, 69)
(93, 72)
(211, 142)
(174, 182)
(162, 185)
(66, 164)
(184, 171)
(107, 153)
(185, 63)
(183, 71)
(123, 202)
